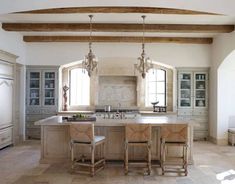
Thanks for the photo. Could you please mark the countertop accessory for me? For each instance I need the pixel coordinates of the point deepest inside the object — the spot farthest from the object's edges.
(65, 89)
(90, 61)
(144, 61)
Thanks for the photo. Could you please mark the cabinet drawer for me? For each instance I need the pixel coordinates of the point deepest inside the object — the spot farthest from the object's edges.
(200, 135)
(49, 111)
(200, 113)
(33, 118)
(33, 133)
(5, 137)
(31, 125)
(33, 111)
(185, 112)
(200, 126)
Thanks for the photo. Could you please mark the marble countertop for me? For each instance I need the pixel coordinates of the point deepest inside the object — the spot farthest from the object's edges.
(155, 121)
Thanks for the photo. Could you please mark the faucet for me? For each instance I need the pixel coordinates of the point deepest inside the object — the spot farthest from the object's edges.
(119, 106)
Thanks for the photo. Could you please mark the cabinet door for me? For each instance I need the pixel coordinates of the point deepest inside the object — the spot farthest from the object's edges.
(34, 88)
(185, 89)
(49, 89)
(6, 102)
(200, 90)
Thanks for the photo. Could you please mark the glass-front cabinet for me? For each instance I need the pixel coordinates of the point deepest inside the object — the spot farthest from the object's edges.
(192, 89)
(42, 96)
(42, 88)
(200, 88)
(49, 88)
(185, 90)
(34, 88)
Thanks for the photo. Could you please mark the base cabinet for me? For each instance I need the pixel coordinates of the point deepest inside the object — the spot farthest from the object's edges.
(55, 144)
(193, 99)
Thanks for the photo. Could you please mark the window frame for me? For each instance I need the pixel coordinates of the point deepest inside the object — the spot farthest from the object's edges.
(165, 86)
(73, 107)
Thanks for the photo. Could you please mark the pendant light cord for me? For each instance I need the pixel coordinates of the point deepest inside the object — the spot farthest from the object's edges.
(91, 16)
(143, 40)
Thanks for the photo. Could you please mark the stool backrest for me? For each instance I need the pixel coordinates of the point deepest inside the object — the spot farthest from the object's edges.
(138, 133)
(174, 133)
(82, 132)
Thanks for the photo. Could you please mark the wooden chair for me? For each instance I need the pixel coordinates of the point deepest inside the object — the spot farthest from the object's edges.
(174, 135)
(138, 135)
(82, 134)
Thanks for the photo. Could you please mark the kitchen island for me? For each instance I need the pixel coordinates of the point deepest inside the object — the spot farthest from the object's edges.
(55, 138)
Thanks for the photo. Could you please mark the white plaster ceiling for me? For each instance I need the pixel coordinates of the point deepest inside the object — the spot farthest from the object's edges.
(212, 6)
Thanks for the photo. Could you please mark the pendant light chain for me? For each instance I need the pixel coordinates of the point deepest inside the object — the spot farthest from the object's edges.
(90, 61)
(144, 62)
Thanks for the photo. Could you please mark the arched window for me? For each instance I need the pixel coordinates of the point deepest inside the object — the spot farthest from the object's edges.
(155, 88)
(79, 87)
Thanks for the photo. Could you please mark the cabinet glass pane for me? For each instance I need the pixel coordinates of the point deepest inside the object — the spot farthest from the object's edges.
(185, 94)
(185, 84)
(185, 76)
(34, 88)
(49, 88)
(200, 103)
(34, 93)
(34, 75)
(49, 93)
(49, 75)
(200, 94)
(200, 90)
(200, 84)
(200, 76)
(34, 101)
(185, 103)
(49, 101)
(185, 90)
(49, 83)
(34, 83)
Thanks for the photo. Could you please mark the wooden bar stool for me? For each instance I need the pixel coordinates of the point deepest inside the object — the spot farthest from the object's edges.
(138, 135)
(82, 134)
(174, 135)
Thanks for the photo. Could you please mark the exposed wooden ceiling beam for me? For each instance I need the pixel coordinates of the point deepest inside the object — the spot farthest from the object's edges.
(105, 27)
(113, 9)
(118, 39)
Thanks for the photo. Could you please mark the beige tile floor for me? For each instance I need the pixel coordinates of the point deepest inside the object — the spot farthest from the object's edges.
(20, 165)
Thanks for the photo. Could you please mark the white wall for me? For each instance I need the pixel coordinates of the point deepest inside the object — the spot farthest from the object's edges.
(222, 46)
(176, 55)
(13, 42)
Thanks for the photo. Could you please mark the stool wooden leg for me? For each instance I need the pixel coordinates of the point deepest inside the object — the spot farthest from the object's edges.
(163, 158)
(104, 153)
(186, 160)
(92, 160)
(72, 155)
(149, 159)
(233, 142)
(126, 158)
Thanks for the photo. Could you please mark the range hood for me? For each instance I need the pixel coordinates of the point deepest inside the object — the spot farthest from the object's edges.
(118, 91)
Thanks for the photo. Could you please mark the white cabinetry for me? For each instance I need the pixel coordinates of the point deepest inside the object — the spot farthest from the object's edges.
(193, 99)
(7, 63)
